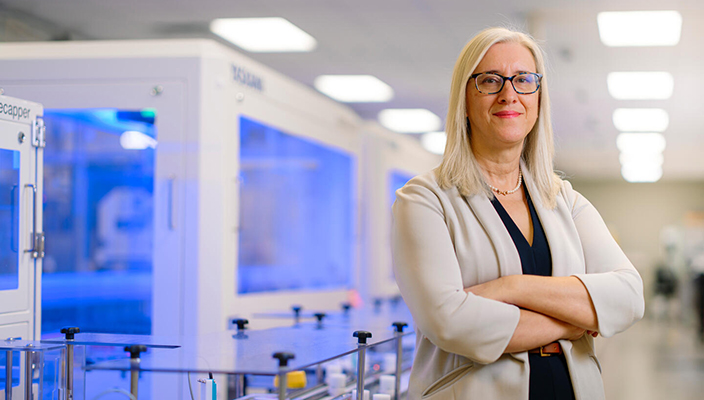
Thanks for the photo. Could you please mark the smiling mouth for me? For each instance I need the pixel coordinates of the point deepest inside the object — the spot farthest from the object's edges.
(507, 114)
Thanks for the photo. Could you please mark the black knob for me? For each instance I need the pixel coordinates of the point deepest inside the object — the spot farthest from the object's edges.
(70, 331)
(297, 310)
(319, 316)
(399, 326)
(241, 323)
(362, 336)
(283, 358)
(135, 350)
(346, 307)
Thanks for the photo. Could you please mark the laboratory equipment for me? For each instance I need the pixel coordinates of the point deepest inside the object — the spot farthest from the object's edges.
(38, 370)
(21, 237)
(355, 396)
(70, 333)
(390, 160)
(214, 130)
(190, 184)
(275, 352)
(390, 358)
(216, 138)
(74, 360)
(337, 384)
(21, 252)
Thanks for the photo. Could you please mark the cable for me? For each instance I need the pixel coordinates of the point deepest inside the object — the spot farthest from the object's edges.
(190, 389)
(210, 374)
(116, 390)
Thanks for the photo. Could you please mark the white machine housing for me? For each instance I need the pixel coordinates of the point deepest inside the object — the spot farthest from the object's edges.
(200, 88)
(199, 91)
(385, 153)
(21, 130)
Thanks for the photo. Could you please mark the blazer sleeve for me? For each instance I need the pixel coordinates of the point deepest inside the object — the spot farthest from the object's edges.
(614, 285)
(428, 275)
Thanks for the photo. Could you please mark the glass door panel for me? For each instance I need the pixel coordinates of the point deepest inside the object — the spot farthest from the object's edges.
(16, 197)
(99, 215)
(297, 214)
(9, 218)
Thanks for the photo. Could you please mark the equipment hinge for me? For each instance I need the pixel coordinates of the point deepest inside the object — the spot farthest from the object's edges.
(38, 245)
(38, 133)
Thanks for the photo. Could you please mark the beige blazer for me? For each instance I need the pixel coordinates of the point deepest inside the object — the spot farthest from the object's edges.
(444, 242)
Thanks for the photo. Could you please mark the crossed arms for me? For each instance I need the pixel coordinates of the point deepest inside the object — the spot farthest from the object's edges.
(436, 238)
(552, 308)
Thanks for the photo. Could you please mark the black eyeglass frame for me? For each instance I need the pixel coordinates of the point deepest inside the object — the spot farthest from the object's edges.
(504, 79)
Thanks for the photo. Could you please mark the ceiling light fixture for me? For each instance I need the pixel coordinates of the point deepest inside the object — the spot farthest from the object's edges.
(641, 119)
(434, 142)
(263, 35)
(641, 159)
(640, 85)
(641, 173)
(410, 120)
(641, 156)
(640, 28)
(354, 88)
(641, 143)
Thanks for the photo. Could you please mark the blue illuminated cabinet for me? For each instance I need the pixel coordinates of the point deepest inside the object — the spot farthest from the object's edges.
(390, 160)
(184, 184)
(21, 236)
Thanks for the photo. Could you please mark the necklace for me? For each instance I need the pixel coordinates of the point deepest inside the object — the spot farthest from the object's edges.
(507, 192)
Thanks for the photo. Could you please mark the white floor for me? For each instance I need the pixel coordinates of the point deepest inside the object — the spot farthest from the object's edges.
(654, 359)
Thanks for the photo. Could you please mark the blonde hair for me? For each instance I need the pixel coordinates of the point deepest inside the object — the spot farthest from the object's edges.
(459, 166)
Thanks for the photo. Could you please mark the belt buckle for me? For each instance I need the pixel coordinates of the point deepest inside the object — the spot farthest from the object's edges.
(544, 354)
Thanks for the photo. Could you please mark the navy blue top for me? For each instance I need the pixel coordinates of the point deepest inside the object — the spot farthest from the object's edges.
(535, 259)
(549, 376)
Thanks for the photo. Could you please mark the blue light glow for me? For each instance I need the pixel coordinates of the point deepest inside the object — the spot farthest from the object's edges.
(9, 214)
(98, 218)
(297, 212)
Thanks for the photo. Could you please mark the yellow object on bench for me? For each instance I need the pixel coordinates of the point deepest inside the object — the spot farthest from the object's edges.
(294, 380)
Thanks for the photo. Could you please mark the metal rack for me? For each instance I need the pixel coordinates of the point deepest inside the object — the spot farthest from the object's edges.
(32, 361)
(273, 352)
(270, 352)
(237, 353)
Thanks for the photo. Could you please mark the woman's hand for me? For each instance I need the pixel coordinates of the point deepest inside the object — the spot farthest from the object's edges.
(535, 330)
(572, 332)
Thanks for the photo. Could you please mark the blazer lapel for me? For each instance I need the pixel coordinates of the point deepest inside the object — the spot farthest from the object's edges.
(506, 253)
(551, 220)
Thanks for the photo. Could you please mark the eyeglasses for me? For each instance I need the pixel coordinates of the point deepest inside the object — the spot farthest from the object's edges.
(491, 83)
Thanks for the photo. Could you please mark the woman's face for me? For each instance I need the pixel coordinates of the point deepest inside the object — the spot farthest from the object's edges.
(503, 119)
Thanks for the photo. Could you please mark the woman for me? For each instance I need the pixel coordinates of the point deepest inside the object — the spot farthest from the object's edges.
(508, 271)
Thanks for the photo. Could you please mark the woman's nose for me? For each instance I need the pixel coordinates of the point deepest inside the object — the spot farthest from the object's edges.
(508, 93)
